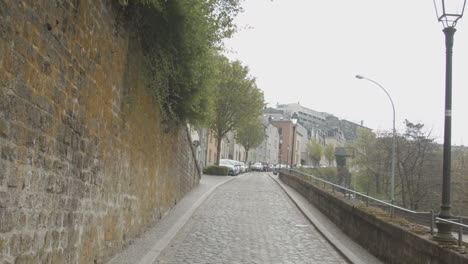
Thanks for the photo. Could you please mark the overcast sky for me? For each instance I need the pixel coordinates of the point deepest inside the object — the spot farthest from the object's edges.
(309, 51)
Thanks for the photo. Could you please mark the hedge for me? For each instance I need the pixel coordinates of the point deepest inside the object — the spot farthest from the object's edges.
(216, 170)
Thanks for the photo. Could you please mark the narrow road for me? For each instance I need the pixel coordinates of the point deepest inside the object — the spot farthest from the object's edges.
(249, 220)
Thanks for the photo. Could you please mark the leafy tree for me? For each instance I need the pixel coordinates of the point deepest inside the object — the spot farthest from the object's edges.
(237, 100)
(329, 153)
(371, 157)
(314, 150)
(250, 135)
(459, 181)
(180, 40)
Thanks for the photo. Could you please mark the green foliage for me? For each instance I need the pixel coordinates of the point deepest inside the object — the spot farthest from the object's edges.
(216, 170)
(251, 134)
(372, 159)
(328, 173)
(459, 181)
(329, 154)
(314, 150)
(237, 99)
(180, 39)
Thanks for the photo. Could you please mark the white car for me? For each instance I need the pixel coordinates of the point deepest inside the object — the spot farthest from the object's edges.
(257, 166)
(231, 165)
(241, 166)
(245, 166)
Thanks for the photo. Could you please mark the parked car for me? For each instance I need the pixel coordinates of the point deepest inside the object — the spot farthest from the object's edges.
(231, 165)
(241, 166)
(244, 167)
(257, 166)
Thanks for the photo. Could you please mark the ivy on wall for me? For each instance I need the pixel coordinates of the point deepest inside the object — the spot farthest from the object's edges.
(180, 39)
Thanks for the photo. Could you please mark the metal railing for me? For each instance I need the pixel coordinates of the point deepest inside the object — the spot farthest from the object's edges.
(460, 227)
(410, 215)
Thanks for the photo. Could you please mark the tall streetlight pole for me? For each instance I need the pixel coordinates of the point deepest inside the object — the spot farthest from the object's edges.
(294, 123)
(448, 12)
(392, 197)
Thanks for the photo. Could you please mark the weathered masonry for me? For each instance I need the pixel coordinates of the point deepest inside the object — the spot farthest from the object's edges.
(85, 165)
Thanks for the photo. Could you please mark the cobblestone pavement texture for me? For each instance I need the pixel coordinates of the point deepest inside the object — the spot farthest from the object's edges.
(143, 246)
(249, 220)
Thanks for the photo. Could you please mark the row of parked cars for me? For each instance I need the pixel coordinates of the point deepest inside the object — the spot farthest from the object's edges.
(235, 167)
(260, 166)
(264, 166)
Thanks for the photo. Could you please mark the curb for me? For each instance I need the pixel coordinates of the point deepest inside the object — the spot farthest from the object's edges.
(342, 250)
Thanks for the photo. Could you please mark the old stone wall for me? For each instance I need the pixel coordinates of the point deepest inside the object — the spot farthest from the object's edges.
(388, 242)
(85, 165)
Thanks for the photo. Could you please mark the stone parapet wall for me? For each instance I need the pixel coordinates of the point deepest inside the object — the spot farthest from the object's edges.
(387, 241)
(85, 164)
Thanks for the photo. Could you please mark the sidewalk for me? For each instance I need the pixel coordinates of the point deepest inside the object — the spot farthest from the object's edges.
(147, 248)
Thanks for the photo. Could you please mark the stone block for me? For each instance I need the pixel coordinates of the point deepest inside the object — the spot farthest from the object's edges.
(55, 185)
(3, 171)
(8, 220)
(27, 259)
(13, 63)
(38, 241)
(12, 176)
(46, 122)
(33, 117)
(22, 90)
(8, 153)
(59, 96)
(4, 199)
(15, 108)
(3, 242)
(4, 128)
(25, 154)
(43, 103)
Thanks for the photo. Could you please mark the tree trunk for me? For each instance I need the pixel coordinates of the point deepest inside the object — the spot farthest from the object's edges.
(246, 155)
(218, 149)
(377, 183)
(403, 189)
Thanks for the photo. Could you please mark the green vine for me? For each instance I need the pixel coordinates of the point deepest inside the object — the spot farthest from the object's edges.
(180, 39)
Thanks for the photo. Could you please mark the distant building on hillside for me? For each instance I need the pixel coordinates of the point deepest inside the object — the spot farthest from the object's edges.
(305, 115)
(348, 128)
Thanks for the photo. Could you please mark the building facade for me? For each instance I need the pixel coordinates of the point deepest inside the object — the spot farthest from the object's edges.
(268, 151)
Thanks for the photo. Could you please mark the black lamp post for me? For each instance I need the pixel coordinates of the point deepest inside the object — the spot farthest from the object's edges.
(448, 12)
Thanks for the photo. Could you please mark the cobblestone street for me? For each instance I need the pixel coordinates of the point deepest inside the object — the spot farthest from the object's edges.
(249, 220)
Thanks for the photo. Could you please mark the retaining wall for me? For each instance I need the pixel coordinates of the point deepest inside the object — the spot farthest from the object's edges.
(387, 241)
(85, 165)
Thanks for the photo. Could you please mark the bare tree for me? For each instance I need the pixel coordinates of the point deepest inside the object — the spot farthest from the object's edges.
(413, 152)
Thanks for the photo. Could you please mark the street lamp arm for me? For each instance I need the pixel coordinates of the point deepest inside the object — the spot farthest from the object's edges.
(389, 97)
